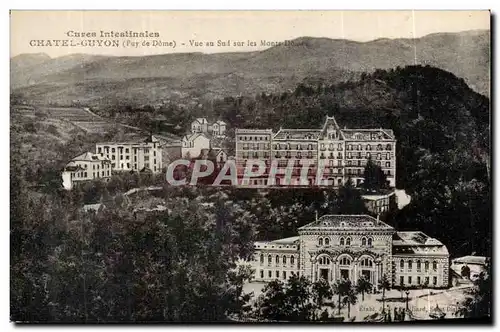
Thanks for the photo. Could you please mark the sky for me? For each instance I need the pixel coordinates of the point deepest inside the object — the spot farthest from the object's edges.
(31, 29)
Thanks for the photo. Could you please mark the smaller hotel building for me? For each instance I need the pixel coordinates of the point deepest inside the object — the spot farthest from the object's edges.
(336, 247)
(133, 156)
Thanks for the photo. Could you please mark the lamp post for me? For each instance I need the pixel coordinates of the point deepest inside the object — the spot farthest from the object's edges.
(407, 294)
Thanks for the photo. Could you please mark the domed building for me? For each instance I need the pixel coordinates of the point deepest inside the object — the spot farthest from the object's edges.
(336, 247)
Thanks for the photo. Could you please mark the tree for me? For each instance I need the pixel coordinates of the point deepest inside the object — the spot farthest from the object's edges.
(341, 288)
(273, 301)
(350, 298)
(298, 298)
(349, 200)
(465, 272)
(384, 284)
(478, 302)
(374, 177)
(321, 291)
(363, 286)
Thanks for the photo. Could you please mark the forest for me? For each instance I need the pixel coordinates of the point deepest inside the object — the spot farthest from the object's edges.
(73, 266)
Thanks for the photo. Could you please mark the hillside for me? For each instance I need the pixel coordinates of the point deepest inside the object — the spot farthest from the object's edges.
(92, 79)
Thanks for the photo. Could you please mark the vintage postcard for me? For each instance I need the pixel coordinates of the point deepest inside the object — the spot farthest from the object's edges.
(250, 166)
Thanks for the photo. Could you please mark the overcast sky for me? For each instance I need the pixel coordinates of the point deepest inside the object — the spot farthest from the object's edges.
(183, 26)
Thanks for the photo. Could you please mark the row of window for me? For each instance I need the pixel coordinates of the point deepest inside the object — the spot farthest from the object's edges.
(270, 274)
(127, 150)
(254, 138)
(379, 155)
(419, 281)
(346, 241)
(277, 259)
(419, 265)
(368, 147)
(255, 146)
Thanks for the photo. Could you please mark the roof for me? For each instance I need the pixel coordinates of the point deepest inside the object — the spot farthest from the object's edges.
(220, 123)
(302, 134)
(288, 240)
(347, 222)
(201, 120)
(192, 137)
(477, 260)
(92, 207)
(368, 134)
(376, 197)
(72, 168)
(414, 238)
(89, 156)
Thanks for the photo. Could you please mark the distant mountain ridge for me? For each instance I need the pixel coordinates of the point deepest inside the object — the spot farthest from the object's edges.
(179, 75)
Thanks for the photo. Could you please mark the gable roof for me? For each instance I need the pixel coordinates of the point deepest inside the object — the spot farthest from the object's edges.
(341, 221)
(192, 137)
(220, 122)
(89, 156)
(201, 120)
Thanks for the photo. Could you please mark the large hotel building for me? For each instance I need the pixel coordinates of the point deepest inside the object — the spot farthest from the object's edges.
(336, 247)
(340, 153)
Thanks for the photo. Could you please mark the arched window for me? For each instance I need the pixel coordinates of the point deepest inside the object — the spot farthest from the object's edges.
(419, 265)
(368, 147)
(342, 241)
(426, 264)
(331, 146)
(261, 258)
(292, 260)
(299, 147)
(345, 261)
(402, 264)
(327, 241)
(320, 241)
(359, 147)
(389, 147)
(269, 259)
(288, 146)
(284, 259)
(367, 262)
(340, 147)
(369, 242)
(379, 147)
(348, 241)
(324, 260)
(434, 265)
(410, 265)
(277, 259)
(363, 241)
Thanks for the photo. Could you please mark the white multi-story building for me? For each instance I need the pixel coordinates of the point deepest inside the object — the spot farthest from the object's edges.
(341, 153)
(336, 247)
(193, 144)
(85, 167)
(202, 126)
(133, 156)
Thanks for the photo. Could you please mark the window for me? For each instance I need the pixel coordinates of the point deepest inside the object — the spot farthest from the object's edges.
(379, 147)
(367, 262)
(342, 241)
(310, 147)
(277, 259)
(434, 265)
(270, 274)
(419, 265)
(327, 241)
(401, 265)
(359, 147)
(299, 147)
(348, 241)
(113, 150)
(261, 259)
(324, 260)
(284, 260)
(426, 281)
(262, 274)
(269, 259)
(426, 264)
(389, 147)
(345, 261)
(277, 274)
(434, 280)
(401, 280)
(369, 242)
(409, 280)
(284, 274)
(418, 280)
(320, 241)
(363, 241)
(292, 260)
(409, 265)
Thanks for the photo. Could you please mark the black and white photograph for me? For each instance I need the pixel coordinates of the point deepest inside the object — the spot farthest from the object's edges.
(250, 167)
